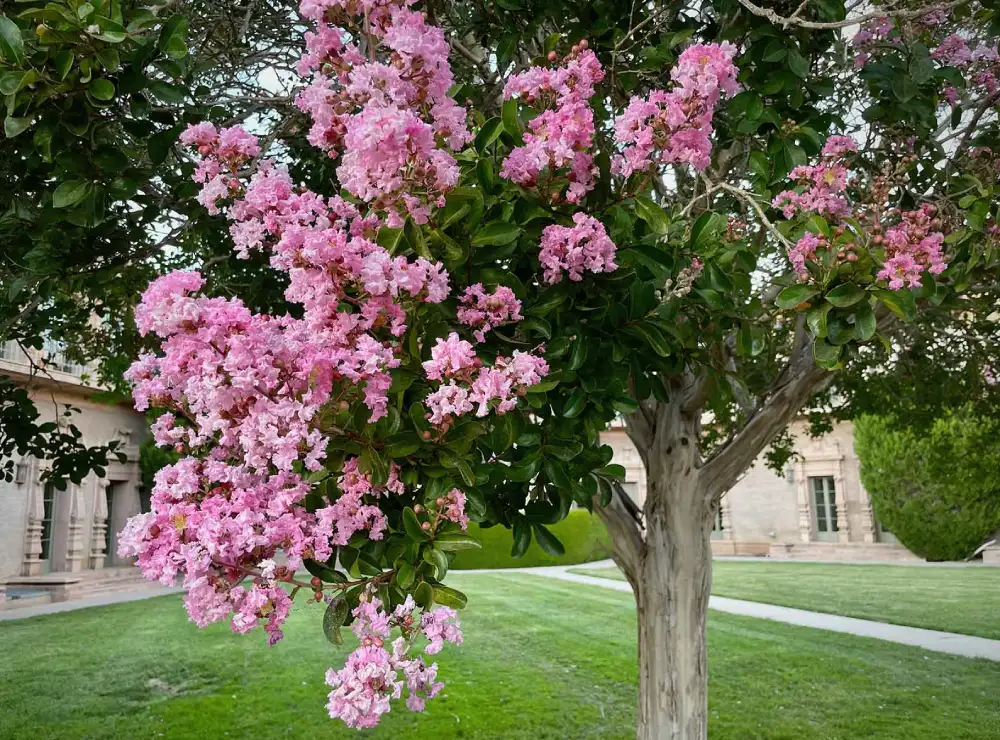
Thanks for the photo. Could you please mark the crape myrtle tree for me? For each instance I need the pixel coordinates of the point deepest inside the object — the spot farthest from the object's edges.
(693, 219)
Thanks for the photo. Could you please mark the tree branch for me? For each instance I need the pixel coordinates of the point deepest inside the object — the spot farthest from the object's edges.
(793, 20)
(784, 402)
(622, 519)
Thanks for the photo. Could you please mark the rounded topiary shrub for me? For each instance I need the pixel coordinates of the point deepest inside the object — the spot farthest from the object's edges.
(938, 490)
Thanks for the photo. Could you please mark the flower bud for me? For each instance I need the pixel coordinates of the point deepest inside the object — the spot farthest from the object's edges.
(425, 526)
(316, 583)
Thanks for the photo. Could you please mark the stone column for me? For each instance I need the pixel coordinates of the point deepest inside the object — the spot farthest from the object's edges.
(99, 529)
(74, 536)
(32, 563)
(868, 533)
(727, 527)
(991, 555)
(840, 495)
(804, 504)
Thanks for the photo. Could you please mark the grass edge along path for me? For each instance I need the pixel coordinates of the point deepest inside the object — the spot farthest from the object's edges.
(960, 600)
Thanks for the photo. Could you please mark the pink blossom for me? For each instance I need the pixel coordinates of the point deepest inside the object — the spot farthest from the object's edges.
(450, 357)
(485, 311)
(803, 251)
(584, 246)
(912, 246)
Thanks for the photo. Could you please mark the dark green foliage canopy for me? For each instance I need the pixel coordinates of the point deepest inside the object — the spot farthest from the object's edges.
(937, 490)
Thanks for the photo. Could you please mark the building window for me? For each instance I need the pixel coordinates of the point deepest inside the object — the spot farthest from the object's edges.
(824, 507)
(109, 532)
(717, 529)
(48, 511)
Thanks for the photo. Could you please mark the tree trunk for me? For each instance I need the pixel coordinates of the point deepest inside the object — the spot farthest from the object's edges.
(672, 587)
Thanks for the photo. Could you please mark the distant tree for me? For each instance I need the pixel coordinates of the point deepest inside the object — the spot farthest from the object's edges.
(937, 490)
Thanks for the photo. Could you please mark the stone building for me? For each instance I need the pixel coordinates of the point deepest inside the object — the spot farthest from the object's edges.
(56, 543)
(818, 510)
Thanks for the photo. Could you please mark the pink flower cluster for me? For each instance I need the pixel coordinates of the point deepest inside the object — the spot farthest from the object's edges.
(821, 185)
(868, 36)
(388, 115)
(675, 127)
(981, 64)
(224, 152)
(912, 246)
(350, 513)
(803, 251)
(373, 676)
(583, 246)
(466, 382)
(486, 311)
(561, 136)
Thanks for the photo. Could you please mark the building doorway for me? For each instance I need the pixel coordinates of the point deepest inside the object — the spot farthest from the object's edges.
(824, 500)
(48, 526)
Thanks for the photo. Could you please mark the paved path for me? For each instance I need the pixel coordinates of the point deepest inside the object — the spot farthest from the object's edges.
(143, 592)
(940, 642)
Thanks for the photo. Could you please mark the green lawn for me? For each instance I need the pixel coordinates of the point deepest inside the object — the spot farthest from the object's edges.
(965, 600)
(541, 659)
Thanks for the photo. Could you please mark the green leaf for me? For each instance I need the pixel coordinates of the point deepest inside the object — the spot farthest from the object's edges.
(798, 64)
(108, 30)
(13, 82)
(439, 561)
(108, 58)
(405, 575)
(615, 471)
(415, 238)
(816, 319)
(706, 229)
(511, 123)
(70, 193)
(548, 541)
(904, 88)
(63, 62)
(496, 233)
(424, 595)
(522, 537)
(578, 355)
(13, 126)
(449, 596)
(775, 51)
(845, 295)
(334, 618)
(456, 542)
(900, 302)
(412, 526)
(652, 214)
(324, 572)
(565, 451)
(489, 133)
(864, 322)
(827, 355)
(102, 89)
(172, 37)
(576, 402)
(793, 295)
(11, 43)
(654, 338)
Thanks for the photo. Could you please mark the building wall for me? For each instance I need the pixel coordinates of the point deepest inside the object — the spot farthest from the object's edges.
(769, 513)
(80, 515)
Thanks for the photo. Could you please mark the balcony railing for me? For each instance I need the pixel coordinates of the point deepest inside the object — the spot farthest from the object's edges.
(51, 357)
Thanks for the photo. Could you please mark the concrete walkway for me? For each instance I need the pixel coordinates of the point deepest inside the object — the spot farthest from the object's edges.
(940, 642)
(138, 594)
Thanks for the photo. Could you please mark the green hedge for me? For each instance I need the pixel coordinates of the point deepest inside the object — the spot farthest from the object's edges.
(582, 534)
(937, 490)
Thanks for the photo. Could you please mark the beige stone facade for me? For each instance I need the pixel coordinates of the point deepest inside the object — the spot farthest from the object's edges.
(45, 532)
(818, 510)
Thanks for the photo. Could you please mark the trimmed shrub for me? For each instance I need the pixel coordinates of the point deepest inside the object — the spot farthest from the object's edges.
(937, 490)
(582, 535)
